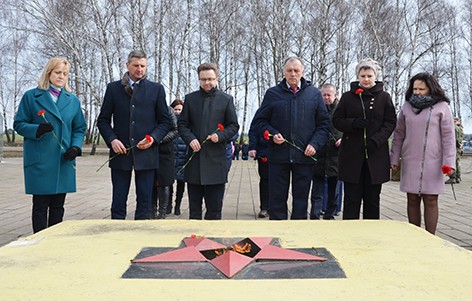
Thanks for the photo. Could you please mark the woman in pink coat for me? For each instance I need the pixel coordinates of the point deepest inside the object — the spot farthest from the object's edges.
(424, 140)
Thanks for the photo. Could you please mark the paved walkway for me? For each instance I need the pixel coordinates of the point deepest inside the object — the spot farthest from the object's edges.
(92, 201)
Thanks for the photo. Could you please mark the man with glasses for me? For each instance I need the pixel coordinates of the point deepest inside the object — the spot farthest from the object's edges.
(206, 171)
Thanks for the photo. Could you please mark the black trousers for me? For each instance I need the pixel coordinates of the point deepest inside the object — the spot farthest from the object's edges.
(365, 192)
(332, 203)
(121, 180)
(213, 195)
(279, 183)
(263, 169)
(48, 210)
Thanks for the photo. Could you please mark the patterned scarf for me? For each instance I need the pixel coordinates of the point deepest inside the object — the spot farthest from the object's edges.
(54, 91)
(419, 102)
(125, 83)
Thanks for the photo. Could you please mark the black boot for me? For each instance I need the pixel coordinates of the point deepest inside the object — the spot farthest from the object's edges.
(177, 206)
(169, 203)
(154, 202)
(178, 196)
(163, 201)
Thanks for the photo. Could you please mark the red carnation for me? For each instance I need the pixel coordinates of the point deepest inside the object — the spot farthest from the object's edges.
(267, 135)
(264, 159)
(446, 169)
(359, 91)
(41, 113)
(148, 138)
(221, 127)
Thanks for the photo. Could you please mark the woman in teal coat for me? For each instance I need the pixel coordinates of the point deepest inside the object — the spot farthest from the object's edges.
(51, 121)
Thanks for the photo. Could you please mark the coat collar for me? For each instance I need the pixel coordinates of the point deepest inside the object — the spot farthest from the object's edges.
(303, 84)
(44, 100)
(371, 91)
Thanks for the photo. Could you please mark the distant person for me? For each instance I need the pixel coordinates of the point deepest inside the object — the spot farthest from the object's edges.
(133, 108)
(326, 167)
(258, 149)
(230, 150)
(237, 150)
(424, 140)
(292, 111)
(245, 150)
(366, 117)
(180, 156)
(164, 177)
(51, 121)
(459, 135)
(207, 169)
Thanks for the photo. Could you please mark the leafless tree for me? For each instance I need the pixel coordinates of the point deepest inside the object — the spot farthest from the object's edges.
(248, 40)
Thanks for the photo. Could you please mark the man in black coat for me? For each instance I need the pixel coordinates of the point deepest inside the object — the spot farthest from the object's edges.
(326, 168)
(295, 116)
(207, 170)
(133, 118)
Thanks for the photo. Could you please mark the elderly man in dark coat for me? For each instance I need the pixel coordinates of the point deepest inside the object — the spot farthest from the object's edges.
(207, 170)
(294, 114)
(133, 118)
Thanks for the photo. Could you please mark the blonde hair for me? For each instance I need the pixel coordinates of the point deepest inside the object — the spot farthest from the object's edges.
(43, 81)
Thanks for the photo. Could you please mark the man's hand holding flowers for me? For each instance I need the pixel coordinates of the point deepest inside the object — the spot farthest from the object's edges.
(118, 147)
(213, 137)
(310, 150)
(195, 145)
(145, 143)
(278, 138)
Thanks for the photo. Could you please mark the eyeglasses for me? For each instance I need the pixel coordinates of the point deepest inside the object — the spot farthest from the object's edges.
(204, 80)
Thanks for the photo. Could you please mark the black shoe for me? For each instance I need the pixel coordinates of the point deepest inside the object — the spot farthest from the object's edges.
(177, 211)
(161, 216)
(263, 214)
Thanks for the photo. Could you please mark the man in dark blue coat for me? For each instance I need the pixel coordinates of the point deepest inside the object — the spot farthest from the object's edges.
(294, 115)
(133, 118)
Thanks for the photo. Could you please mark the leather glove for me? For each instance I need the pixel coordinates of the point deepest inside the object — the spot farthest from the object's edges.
(71, 153)
(359, 123)
(43, 128)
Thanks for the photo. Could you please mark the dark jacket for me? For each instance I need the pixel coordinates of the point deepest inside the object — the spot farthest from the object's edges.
(380, 112)
(257, 142)
(327, 156)
(166, 170)
(301, 118)
(134, 115)
(200, 117)
(180, 157)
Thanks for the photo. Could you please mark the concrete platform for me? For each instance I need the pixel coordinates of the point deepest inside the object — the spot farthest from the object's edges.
(93, 198)
(383, 260)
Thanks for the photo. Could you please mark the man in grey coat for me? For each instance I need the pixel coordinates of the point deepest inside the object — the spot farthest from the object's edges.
(208, 120)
